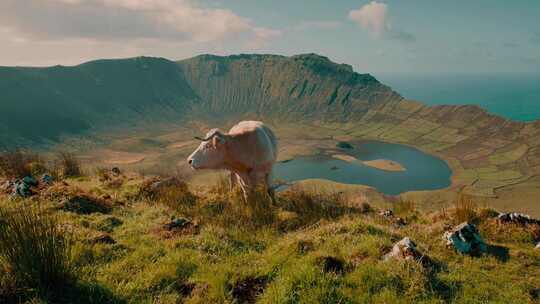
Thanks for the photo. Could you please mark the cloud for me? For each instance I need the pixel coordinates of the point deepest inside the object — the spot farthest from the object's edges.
(180, 21)
(317, 25)
(373, 17)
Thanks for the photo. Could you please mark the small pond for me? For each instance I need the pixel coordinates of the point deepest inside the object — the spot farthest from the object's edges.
(423, 171)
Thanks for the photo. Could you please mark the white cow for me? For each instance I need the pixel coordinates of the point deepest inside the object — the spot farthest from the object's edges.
(248, 151)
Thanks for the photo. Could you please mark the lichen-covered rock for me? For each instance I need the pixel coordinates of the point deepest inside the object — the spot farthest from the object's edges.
(465, 239)
(404, 250)
(23, 187)
(517, 218)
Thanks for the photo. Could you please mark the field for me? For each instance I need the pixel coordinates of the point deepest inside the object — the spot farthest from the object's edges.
(313, 246)
(490, 172)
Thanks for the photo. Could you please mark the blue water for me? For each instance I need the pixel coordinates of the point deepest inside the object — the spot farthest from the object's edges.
(516, 97)
(424, 172)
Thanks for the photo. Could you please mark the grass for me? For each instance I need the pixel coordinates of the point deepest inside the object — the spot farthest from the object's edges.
(310, 247)
(19, 163)
(35, 250)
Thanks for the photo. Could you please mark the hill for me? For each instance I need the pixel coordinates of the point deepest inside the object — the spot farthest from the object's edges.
(489, 155)
(125, 239)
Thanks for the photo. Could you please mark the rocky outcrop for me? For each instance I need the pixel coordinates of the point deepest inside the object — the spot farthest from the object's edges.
(466, 239)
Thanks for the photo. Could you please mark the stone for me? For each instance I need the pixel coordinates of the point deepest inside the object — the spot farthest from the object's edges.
(386, 213)
(404, 250)
(178, 223)
(537, 247)
(23, 187)
(400, 222)
(516, 218)
(465, 239)
(116, 171)
(47, 179)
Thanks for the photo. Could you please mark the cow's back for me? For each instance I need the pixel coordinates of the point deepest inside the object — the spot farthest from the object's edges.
(261, 140)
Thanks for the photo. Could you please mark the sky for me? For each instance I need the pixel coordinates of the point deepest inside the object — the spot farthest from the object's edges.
(384, 36)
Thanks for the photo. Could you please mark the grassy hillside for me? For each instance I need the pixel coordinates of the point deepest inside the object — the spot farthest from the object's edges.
(115, 239)
(40, 104)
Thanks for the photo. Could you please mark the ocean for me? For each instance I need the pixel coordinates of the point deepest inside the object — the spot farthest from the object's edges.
(516, 97)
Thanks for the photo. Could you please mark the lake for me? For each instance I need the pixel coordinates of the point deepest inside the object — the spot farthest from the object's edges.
(423, 171)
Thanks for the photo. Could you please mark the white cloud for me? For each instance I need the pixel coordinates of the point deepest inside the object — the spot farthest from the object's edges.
(129, 21)
(373, 17)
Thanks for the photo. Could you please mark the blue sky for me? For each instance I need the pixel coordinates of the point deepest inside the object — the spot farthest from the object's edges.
(392, 36)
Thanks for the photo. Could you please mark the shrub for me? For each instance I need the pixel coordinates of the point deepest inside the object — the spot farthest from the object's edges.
(19, 163)
(69, 165)
(172, 192)
(35, 250)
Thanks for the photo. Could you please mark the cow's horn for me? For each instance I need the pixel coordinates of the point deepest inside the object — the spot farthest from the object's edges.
(208, 138)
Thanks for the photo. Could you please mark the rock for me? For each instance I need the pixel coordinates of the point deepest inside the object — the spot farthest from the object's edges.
(103, 238)
(400, 222)
(116, 171)
(386, 213)
(334, 168)
(537, 247)
(23, 187)
(516, 218)
(465, 239)
(404, 250)
(47, 179)
(178, 223)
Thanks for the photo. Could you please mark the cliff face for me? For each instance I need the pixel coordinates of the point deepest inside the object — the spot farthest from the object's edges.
(286, 87)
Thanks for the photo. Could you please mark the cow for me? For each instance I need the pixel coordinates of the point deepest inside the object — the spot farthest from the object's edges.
(248, 151)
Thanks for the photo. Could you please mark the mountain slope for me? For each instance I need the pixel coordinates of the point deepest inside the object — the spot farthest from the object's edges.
(486, 152)
(40, 104)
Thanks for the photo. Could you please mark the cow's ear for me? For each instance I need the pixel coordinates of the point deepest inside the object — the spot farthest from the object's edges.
(218, 140)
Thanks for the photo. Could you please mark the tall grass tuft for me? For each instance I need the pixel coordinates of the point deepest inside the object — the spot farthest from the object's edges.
(312, 206)
(465, 209)
(35, 250)
(69, 165)
(172, 192)
(19, 163)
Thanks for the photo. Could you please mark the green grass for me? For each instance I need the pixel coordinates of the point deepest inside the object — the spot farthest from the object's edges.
(259, 252)
(35, 250)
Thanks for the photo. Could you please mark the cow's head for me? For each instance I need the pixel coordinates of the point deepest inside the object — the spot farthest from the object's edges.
(211, 152)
